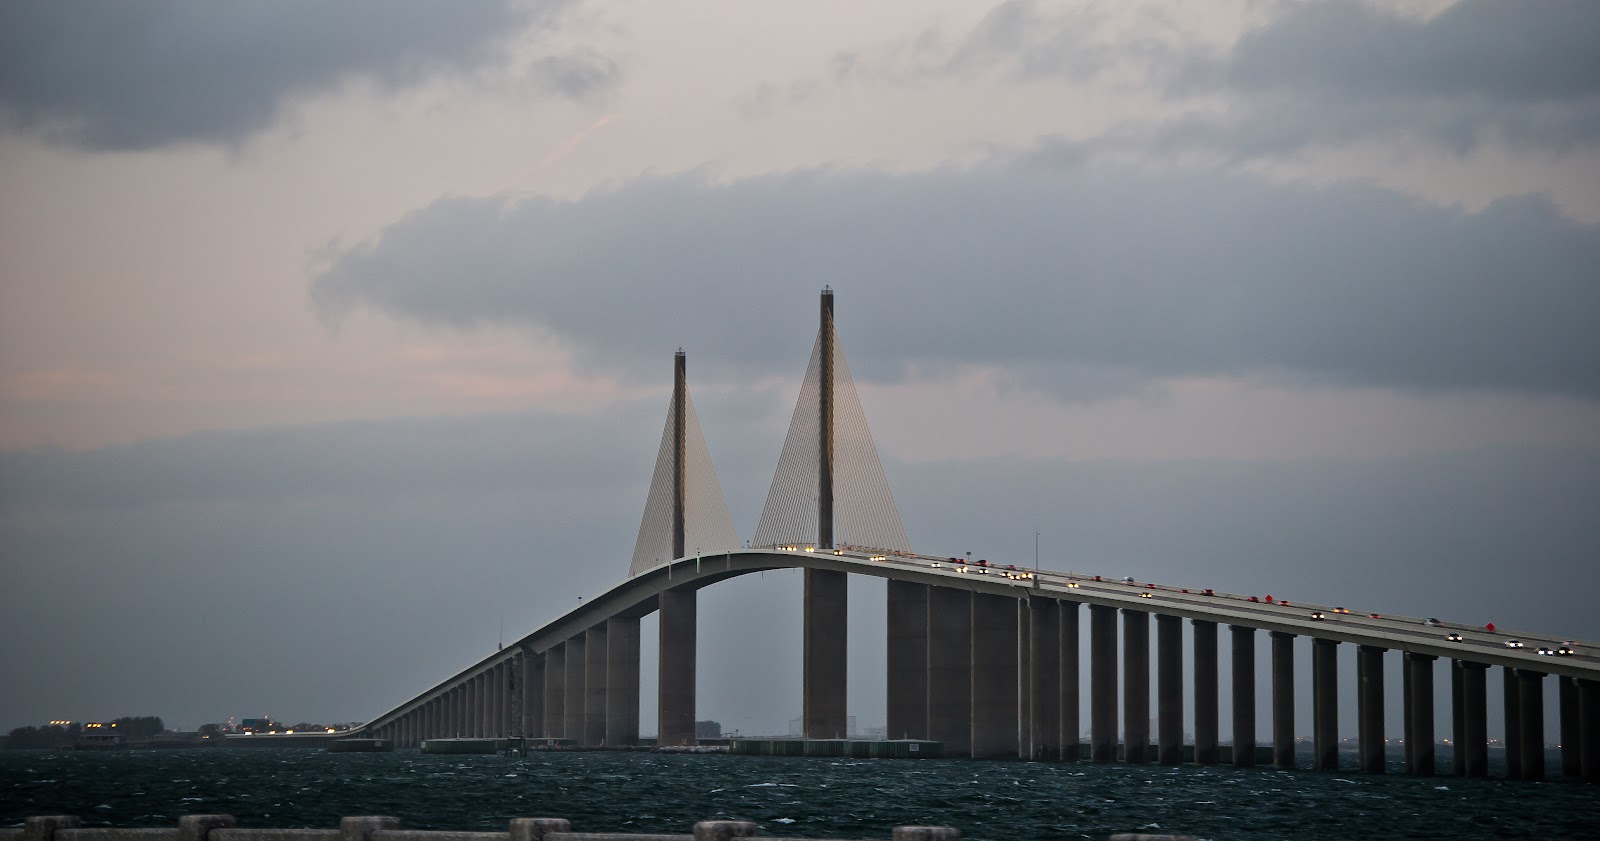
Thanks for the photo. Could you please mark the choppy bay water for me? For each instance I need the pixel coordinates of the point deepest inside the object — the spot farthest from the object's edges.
(838, 798)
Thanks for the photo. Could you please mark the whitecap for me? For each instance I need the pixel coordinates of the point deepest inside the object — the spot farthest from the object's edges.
(783, 820)
(1441, 788)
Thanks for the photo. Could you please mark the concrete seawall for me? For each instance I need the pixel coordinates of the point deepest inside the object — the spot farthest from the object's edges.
(382, 828)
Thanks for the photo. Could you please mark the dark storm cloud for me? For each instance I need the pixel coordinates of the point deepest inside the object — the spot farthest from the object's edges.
(1332, 72)
(1028, 264)
(114, 75)
(1542, 51)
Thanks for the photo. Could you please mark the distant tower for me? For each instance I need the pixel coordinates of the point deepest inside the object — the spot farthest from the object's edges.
(685, 507)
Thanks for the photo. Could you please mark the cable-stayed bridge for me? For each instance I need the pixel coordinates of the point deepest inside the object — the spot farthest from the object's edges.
(981, 658)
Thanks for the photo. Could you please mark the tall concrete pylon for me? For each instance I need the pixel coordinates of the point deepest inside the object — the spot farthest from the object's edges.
(685, 511)
(829, 491)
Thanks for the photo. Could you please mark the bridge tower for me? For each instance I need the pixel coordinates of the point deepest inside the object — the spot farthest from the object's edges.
(685, 511)
(829, 491)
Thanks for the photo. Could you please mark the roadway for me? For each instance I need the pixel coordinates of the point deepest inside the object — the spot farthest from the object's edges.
(638, 596)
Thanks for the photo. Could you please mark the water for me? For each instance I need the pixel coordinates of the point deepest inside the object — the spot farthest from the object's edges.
(838, 798)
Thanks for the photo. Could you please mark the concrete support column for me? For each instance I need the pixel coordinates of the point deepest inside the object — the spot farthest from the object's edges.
(1571, 729)
(1169, 690)
(474, 727)
(1458, 723)
(1474, 746)
(994, 676)
(1512, 705)
(475, 706)
(675, 686)
(1420, 669)
(577, 701)
(1022, 653)
(622, 680)
(1589, 729)
(1071, 721)
(1369, 709)
(1135, 686)
(492, 701)
(1531, 689)
(555, 691)
(1325, 705)
(516, 680)
(826, 633)
(950, 669)
(1408, 721)
(1283, 699)
(596, 691)
(480, 702)
(507, 679)
(1244, 696)
(907, 661)
(1044, 650)
(497, 701)
(1205, 692)
(533, 713)
(1102, 683)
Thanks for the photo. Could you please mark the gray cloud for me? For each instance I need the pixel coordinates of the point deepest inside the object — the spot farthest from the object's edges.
(1541, 52)
(1332, 72)
(117, 76)
(1319, 73)
(1026, 264)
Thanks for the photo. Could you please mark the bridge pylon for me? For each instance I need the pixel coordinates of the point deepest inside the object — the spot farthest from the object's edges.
(685, 510)
(829, 491)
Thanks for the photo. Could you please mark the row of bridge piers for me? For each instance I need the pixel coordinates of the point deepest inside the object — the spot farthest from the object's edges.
(997, 676)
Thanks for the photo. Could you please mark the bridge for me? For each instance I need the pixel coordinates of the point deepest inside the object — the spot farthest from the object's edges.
(984, 658)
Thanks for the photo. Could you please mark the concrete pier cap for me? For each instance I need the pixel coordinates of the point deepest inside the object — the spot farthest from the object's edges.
(43, 827)
(534, 829)
(361, 827)
(723, 830)
(924, 833)
(197, 827)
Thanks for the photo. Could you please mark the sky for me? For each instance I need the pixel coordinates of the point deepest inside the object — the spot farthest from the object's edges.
(333, 339)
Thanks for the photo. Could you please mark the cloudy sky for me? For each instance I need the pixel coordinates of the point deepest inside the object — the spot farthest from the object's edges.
(333, 336)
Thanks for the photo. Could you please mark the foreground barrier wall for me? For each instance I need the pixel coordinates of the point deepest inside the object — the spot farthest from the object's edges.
(382, 828)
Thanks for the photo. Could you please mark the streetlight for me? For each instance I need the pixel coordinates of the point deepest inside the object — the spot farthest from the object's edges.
(1036, 559)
